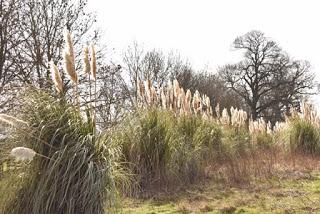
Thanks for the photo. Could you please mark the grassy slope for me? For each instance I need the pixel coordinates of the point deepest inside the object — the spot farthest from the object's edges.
(296, 192)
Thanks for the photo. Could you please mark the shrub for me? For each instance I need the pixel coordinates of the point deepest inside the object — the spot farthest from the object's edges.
(264, 140)
(237, 143)
(145, 144)
(200, 145)
(163, 150)
(304, 137)
(244, 156)
(77, 172)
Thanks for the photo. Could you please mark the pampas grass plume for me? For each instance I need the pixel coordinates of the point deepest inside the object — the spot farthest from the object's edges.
(69, 48)
(86, 61)
(56, 78)
(225, 118)
(69, 58)
(12, 121)
(69, 68)
(23, 153)
(93, 62)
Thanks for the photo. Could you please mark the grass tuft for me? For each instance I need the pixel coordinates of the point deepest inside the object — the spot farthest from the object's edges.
(77, 172)
(304, 137)
(162, 150)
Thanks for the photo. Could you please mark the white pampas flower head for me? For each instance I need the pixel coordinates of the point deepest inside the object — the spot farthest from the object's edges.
(86, 61)
(23, 153)
(56, 78)
(69, 45)
(68, 56)
(69, 67)
(93, 62)
(15, 122)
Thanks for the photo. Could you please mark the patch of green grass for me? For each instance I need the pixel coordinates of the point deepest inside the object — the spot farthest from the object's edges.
(290, 195)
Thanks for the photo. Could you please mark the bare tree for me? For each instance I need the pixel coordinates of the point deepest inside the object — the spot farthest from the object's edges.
(212, 85)
(42, 25)
(113, 96)
(31, 35)
(154, 65)
(10, 39)
(266, 77)
(132, 60)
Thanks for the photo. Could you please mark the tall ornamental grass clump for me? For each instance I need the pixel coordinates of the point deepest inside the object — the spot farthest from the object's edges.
(248, 154)
(304, 137)
(74, 171)
(72, 168)
(146, 147)
(163, 150)
(198, 145)
(303, 129)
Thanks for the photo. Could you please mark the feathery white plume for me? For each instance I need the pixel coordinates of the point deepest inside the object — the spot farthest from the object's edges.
(22, 153)
(15, 122)
(93, 62)
(86, 61)
(56, 78)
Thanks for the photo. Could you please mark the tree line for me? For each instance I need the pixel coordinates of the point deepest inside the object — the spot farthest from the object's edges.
(267, 81)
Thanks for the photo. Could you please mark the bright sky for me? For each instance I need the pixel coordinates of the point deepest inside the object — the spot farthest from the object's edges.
(203, 30)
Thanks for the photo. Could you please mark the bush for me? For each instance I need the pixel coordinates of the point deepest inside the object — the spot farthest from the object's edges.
(77, 172)
(264, 140)
(237, 143)
(145, 141)
(246, 156)
(197, 147)
(163, 150)
(304, 137)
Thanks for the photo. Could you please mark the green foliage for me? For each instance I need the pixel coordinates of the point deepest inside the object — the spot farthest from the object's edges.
(198, 141)
(76, 172)
(304, 137)
(264, 140)
(145, 140)
(161, 149)
(237, 143)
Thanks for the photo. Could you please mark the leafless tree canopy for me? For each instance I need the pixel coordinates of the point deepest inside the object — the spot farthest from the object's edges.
(154, 65)
(267, 79)
(10, 40)
(31, 35)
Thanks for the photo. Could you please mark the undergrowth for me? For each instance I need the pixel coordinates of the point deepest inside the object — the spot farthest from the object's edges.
(164, 151)
(304, 137)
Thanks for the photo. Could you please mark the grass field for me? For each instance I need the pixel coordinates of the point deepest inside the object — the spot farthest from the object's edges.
(289, 192)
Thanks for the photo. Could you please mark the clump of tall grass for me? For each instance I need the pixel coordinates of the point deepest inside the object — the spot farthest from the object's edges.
(247, 156)
(165, 151)
(303, 128)
(304, 137)
(76, 172)
(146, 147)
(174, 98)
(73, 169)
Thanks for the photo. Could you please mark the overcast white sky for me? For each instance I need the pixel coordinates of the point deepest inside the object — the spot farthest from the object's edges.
(203, 30)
